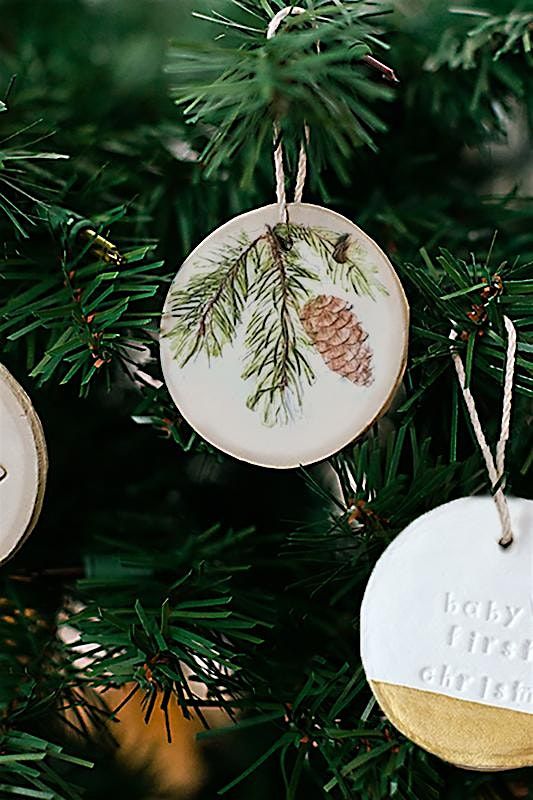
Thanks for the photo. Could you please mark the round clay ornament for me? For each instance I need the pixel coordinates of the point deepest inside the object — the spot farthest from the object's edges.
(23, 465)
(283, 342)
(447, 634)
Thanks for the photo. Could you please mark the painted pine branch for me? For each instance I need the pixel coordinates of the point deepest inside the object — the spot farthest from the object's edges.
(270, 276)
(208, 310)
(275, 342)
(343, 258)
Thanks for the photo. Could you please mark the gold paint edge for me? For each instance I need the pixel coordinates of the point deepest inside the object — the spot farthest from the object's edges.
(498, 762)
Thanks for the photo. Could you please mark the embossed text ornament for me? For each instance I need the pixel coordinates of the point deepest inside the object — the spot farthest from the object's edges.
(447, 619)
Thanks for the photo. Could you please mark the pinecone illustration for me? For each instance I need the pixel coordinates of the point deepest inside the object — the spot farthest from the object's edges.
(339, 337)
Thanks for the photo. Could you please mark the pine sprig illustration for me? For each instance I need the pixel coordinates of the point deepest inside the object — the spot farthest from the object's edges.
(342, 257)
(275, 342)
(208, 309)
(269, 274)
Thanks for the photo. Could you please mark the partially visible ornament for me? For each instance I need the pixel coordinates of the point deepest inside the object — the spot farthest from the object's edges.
(447, 634)
(284, 340)
(447, 616)
(23, 465)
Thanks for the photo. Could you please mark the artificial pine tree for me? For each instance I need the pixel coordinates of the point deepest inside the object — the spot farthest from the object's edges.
(196, 581)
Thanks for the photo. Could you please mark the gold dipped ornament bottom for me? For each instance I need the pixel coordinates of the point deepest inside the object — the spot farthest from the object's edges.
(281, 342)
(447, 634)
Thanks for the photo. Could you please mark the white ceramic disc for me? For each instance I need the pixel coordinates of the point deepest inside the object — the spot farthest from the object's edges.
(447, 634)
(23, 465)
(281, 343)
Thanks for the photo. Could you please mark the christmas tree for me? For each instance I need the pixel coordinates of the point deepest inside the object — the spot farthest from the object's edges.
(162, 574)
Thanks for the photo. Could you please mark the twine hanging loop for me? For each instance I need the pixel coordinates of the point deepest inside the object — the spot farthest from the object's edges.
(495, 468)
(279, 168)
(278, 18)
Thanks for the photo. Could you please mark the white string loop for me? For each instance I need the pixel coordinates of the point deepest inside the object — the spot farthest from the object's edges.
(496, 468)
(279, 168)
(278, 18)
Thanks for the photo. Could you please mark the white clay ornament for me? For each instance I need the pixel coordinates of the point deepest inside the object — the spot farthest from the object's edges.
(23, 465)
(447, 617)
(284, 341)
(447, 634)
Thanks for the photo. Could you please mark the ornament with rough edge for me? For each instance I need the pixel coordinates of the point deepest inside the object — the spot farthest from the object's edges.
(447, 634)
(23, 465)
(281, 342)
